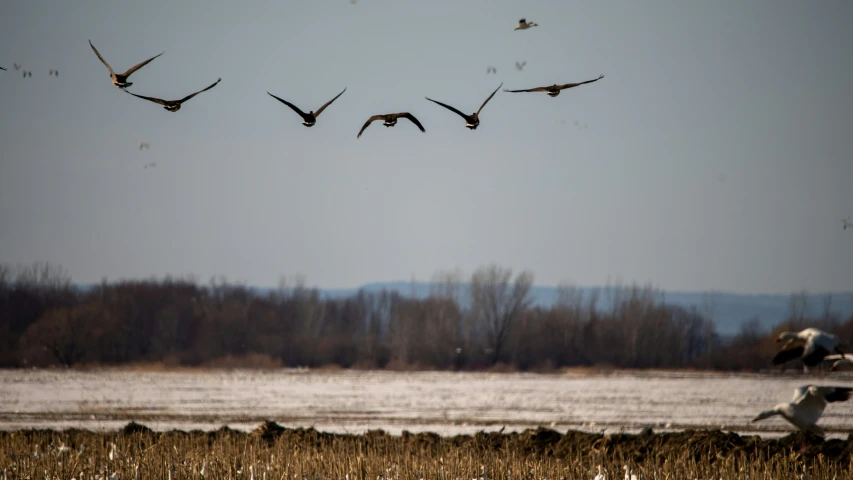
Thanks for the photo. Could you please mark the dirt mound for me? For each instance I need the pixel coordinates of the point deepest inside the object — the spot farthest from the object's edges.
(706, 446)
(135, 428)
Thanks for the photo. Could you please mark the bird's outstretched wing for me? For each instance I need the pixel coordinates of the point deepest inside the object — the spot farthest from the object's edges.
(449, 108)
(537, 89)
(791, 351)
(202, 90)
(412, 118)
(292, 106)
(490, 97)
(101, 58)
(570, 85)
(320, 110)
(368, 122)
(150, 99)
(1, 68)
(835, 394)
(140, 64)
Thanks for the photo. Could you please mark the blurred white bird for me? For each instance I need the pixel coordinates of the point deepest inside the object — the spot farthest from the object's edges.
(804, 410)
(810, 345)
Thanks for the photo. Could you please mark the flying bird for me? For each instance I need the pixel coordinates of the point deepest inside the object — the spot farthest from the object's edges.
(473, 120)
(838, 360)
(390, 119)
(846, 223)
(150, 165)
(17, 67)
(54, 72)
(174, 105)
(1, 68)
(143, 145)
(804, 410)
(491, 69)
(524, 25)
(811, 345)
(520, 66)
(310, 118)
(28, 73)
(554, 90)
(120, 79)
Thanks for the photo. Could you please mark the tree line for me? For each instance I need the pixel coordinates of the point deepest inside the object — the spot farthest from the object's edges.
(485, 321)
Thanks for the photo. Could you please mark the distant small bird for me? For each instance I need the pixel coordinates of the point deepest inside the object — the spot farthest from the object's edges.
(473, 120)
(810, 345)
(143, 145)
(17, 67)
(491, 69)
(54, 72)
(27, 73)
(804, 410)
(524, 25)
(520, 66)
(390, 119)
(846, 223)
(150, 165)
(1, 68)
(310, 118)
(554, 90)
(173, 105)
(120, 79)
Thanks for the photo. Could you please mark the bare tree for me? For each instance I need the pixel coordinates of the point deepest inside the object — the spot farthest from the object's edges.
(496, 303)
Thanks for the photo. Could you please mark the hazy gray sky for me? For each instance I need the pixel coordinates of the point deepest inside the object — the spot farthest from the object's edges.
(756, 93)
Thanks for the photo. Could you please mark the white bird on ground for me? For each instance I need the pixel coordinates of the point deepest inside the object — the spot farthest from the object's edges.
(628, 474)
(810, 345)
(804, 410)
(524, 25)
(600, 475)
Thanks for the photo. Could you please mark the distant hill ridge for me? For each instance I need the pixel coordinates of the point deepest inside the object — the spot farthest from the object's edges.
(731, 310)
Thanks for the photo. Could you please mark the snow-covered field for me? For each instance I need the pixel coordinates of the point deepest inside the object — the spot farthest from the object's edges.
(441, 402)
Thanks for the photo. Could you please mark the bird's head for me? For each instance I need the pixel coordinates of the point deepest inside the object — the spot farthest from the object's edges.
(784, 336)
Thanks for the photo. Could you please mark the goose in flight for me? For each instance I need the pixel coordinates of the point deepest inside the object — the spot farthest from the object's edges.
(310, 118)
(524, 25)
(846, 223)
(390, 119)
(174, 105)
(473, 120)
(811, 345)
(554, 90)
(120, 79)
(838, 360)
(804, 410)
